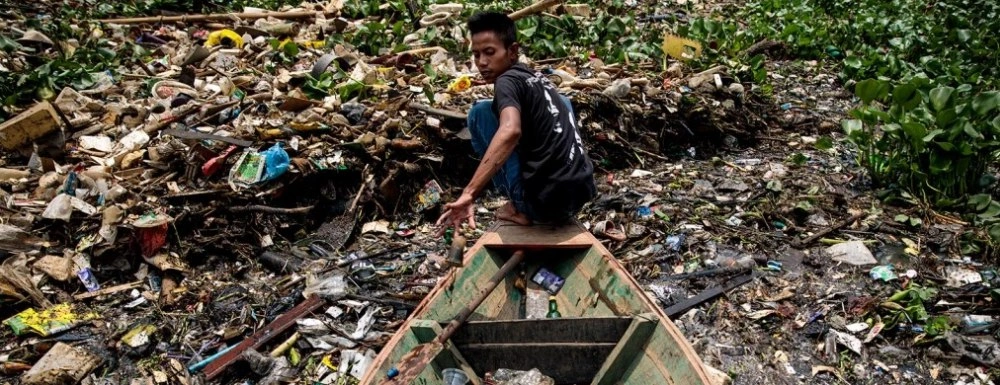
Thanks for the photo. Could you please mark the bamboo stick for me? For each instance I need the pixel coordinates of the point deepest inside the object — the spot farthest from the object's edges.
(437, 111)
(218, 17)
(533, 9)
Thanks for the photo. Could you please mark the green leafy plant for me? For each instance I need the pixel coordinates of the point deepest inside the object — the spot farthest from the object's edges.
(330, 83)
(912, 221)
(285, 51)
(951, 42)
(934, 142)
(908, 305)
(101, 9)
(50, 71)
(319, 88)
(937, 326)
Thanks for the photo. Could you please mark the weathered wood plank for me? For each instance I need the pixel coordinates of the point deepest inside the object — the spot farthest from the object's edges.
(577, 298)
(589, 330)
(507, 235)
(625, 352)
(425, 331)
(503, 303)
(29, 125)
(669, 358)
(467, 281)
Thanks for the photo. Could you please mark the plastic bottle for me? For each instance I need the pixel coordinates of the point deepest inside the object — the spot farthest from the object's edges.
(85, 274)
(553, 308)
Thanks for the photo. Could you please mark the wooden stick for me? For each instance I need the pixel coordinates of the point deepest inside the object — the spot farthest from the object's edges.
(828, 230)
(218, 17)
(438, 111)
(281, 349)
(271, 210)
(420, 51)
(533, 9)
(361, 190)
(414, 362)
(108, 290)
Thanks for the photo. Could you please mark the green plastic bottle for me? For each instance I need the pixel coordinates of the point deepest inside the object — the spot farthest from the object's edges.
(553, 308)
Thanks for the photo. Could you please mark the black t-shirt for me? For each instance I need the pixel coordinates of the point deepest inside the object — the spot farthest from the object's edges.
(558, 176)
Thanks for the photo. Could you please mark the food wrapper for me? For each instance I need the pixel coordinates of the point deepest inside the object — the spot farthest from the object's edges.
(50, 321)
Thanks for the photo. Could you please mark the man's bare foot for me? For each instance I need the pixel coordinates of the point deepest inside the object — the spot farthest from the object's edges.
(508, 212)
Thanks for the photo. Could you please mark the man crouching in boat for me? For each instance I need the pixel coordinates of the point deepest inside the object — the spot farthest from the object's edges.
(533, 153)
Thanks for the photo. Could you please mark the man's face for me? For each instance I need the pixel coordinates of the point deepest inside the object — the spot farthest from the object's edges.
(491, 57)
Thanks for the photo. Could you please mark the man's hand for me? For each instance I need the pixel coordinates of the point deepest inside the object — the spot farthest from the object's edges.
(457, 212)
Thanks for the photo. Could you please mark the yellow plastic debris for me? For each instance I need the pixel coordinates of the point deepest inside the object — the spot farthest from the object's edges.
(317, 44)
(139, 336)
(217, 37)
(53, 320)
(680, 48)
(328, 362)
(461, 84)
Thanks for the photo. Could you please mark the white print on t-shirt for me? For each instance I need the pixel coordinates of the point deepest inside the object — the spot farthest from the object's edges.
(541, 81)
(554, 111)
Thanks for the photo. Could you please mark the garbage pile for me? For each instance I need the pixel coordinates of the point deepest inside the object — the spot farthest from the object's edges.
(254, 199)
(778, 261)
(159, 214)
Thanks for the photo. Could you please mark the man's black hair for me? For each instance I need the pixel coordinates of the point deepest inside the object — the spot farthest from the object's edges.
(496, 22)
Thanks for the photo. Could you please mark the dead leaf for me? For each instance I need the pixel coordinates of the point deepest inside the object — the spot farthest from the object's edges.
(20, 279)
(59, 268)
(828, 369)
(851, 342)
(785, 293)
(761, 313)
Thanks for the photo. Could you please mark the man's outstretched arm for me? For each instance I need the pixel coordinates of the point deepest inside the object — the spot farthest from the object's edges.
(500, 148)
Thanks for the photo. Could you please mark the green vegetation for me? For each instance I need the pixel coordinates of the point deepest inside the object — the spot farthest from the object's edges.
(933, 141)
(928, 127)
(151, 7)
(43, 76)
(950, 42)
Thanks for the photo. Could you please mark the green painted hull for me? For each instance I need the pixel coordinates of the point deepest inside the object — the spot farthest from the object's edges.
(610, 332)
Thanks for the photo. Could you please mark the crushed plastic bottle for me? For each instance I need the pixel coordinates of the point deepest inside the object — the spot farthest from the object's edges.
(675, 242)
(883, 273)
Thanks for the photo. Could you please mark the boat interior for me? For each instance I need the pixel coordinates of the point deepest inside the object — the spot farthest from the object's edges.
(602, 336)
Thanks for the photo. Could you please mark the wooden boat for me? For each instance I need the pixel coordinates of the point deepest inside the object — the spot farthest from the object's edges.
(610, 331)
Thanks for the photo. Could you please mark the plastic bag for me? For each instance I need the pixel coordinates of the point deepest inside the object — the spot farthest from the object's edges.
(276, 162)
(61, 207)
(330, 287)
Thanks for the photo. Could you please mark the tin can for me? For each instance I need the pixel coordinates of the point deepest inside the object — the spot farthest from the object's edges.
(89, 281)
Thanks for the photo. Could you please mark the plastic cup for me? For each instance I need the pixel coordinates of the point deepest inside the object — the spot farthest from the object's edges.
(454, 376)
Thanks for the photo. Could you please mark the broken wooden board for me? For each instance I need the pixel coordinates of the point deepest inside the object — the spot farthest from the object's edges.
(29, 125)
(273, 329)
(63, 364)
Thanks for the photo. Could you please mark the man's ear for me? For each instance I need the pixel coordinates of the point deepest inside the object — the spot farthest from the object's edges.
(513, 52)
